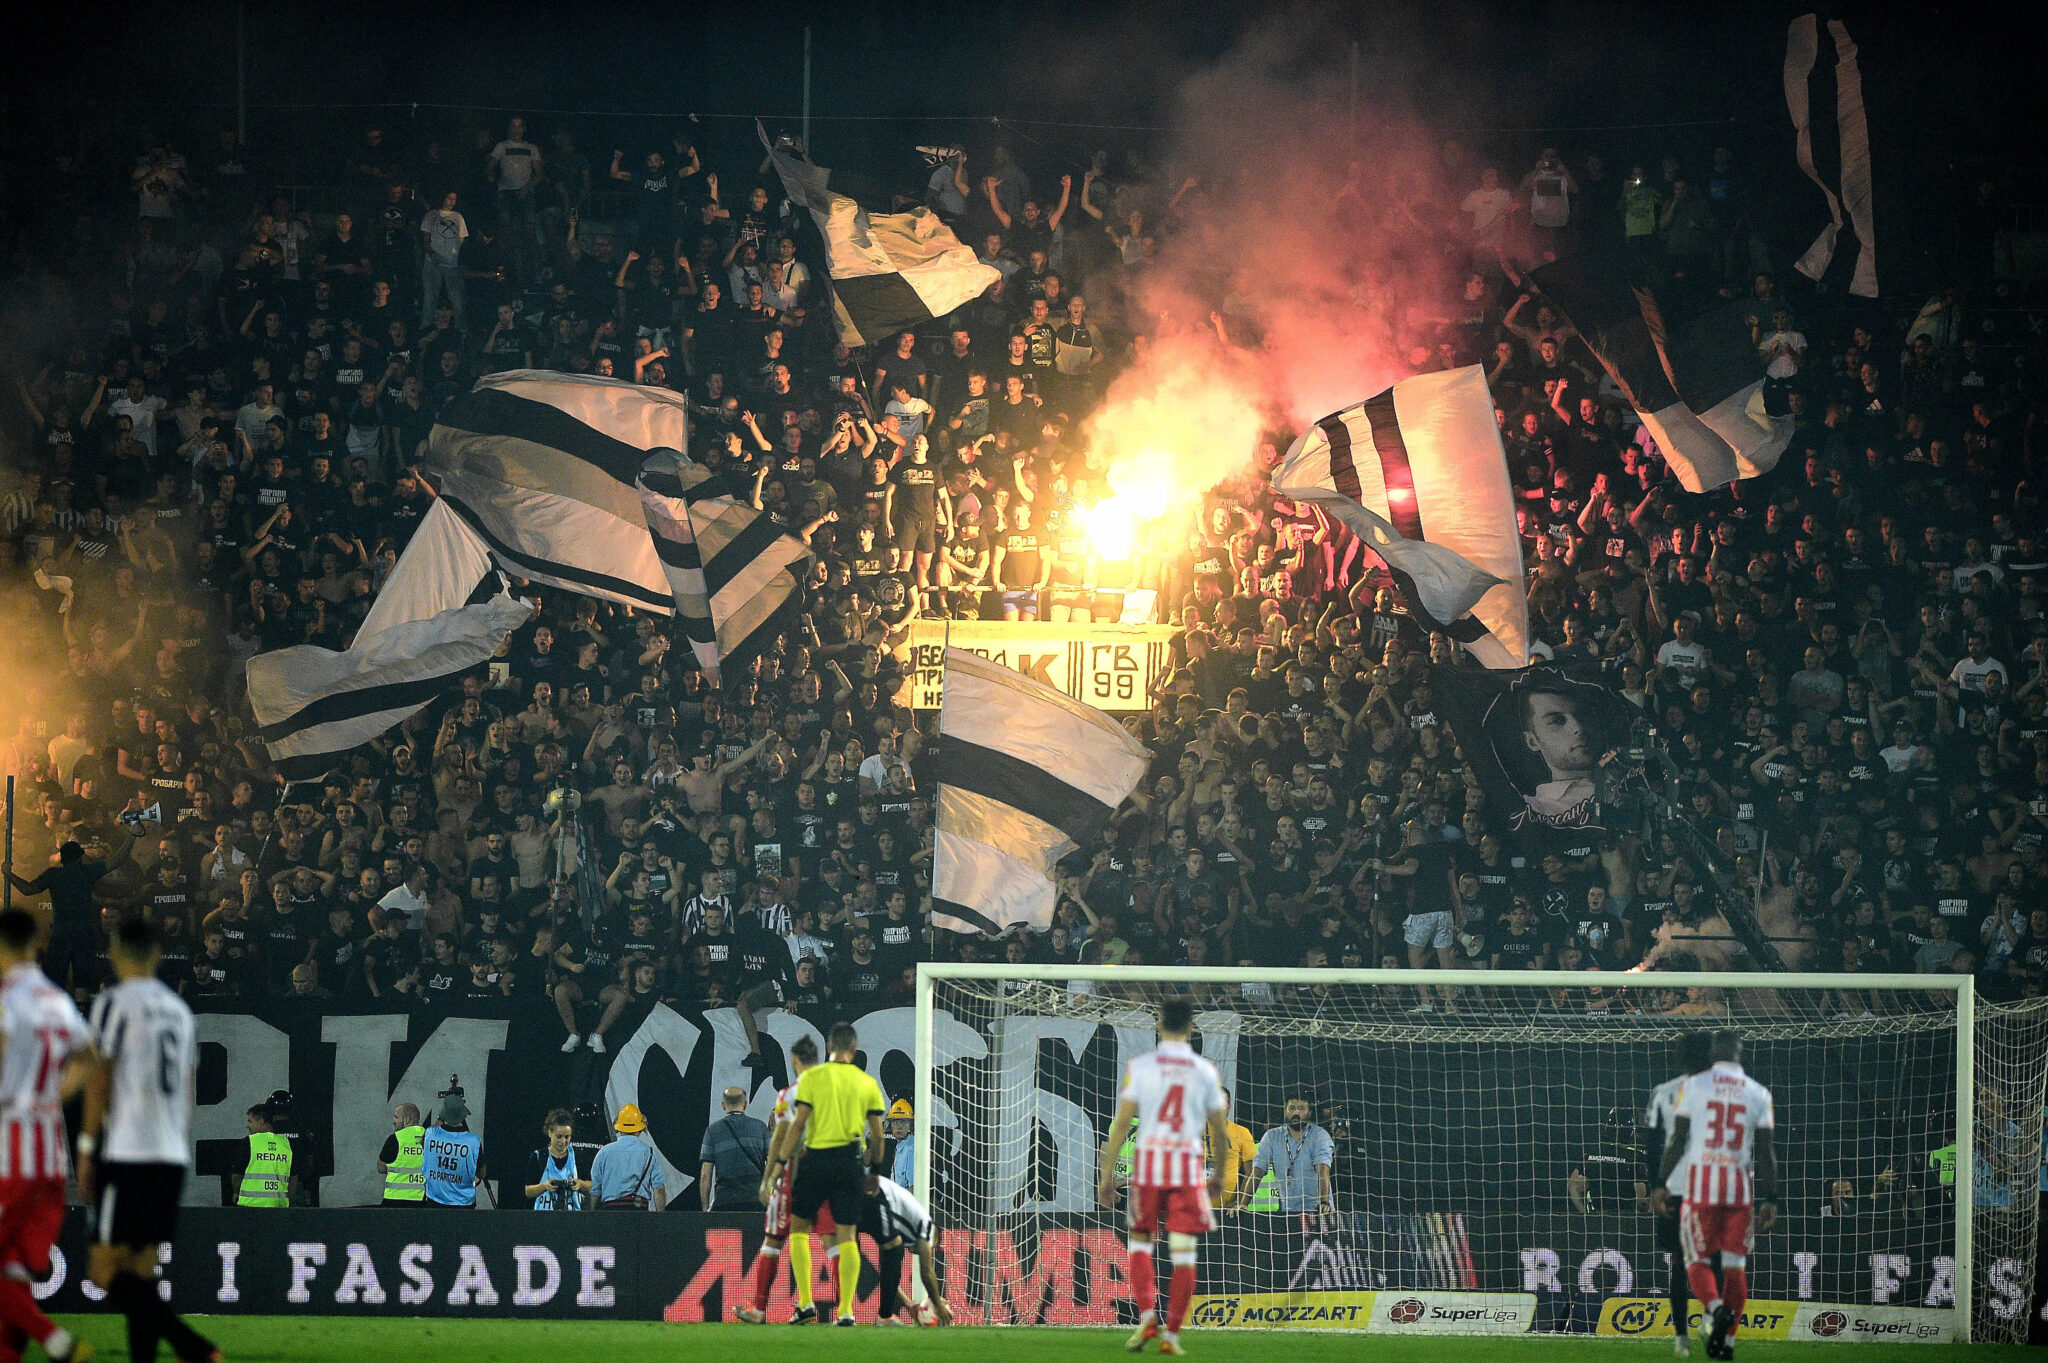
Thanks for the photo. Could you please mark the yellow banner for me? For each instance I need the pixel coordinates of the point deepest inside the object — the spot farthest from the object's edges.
(1651, 1317)
(1111, 667)
(1295, 1310)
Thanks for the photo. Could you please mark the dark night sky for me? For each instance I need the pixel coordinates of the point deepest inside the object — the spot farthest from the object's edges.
(1480, 65)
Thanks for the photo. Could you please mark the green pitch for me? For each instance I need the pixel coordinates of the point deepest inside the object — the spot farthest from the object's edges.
(316, 1339)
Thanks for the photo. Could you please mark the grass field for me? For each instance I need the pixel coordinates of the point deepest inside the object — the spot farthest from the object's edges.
(316, 1339)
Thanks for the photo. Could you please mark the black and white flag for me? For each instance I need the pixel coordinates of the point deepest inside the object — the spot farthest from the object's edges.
(734, 573)
(1026, 774)
(546, 468)
(890, 272)
(314, 704)
(1697, 383)
(1850, 127)
(1418, 473)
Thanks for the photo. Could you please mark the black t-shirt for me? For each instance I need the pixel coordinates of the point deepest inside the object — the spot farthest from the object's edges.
(917, 492)
(1021, 550)
(897, 941)
(760, 957)
(859, 987)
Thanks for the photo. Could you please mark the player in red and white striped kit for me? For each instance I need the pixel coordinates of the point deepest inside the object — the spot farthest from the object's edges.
(1722, 1139)
(40, 1033)
(1175, 1098)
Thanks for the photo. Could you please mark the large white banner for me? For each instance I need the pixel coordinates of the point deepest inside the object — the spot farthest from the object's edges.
(1111, 667)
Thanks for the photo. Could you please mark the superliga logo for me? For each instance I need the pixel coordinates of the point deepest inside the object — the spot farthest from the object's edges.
(1406, 1311)
(1828, 1324)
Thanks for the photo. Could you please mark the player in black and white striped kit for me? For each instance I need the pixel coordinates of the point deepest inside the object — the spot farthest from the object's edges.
(896, 1221)
(1659, 1117)
(138, 1126)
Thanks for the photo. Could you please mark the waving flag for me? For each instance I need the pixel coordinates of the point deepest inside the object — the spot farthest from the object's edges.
(1026, 774)
(1418, 473)
(890, 272)
(1696, 384)
(732, 570)
(315, 704)
(545, 467)
(1852, 137)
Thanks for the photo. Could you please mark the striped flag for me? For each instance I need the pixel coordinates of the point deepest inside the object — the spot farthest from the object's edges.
(732, 570)
(1852, 138)
(890, 272)
(1697, 384)
(1418, 473)
(1026, 774)
(314, 704)
(545, 467)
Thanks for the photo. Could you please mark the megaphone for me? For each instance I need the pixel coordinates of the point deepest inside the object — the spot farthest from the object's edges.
(135, 818)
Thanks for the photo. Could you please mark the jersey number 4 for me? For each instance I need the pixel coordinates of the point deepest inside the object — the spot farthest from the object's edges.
(1724, 1125)
(1173, 1108)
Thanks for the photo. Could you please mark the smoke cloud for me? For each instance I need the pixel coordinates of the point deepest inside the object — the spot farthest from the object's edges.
(1302, 270)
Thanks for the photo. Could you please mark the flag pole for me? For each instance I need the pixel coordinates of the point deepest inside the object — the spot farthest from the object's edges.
(931, 921)
(7, 875)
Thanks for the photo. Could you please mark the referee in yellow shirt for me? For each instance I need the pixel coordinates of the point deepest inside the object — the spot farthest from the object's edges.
(837, 1103)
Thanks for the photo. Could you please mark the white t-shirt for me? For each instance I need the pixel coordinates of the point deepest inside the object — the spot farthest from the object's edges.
(400, 899)
(147, 1034)
(1725, 1109)
(515, 164)
(445, 234)
(1686, 661)
(1175, 1091)
(1489, 209)
(142, 415)
(1782, 365)
(1550, 203)
(1970, 675)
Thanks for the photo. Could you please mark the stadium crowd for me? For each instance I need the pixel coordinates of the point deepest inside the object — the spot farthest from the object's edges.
(1845, 662)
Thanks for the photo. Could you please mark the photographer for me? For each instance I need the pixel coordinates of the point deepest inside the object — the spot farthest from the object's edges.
(555, 1186)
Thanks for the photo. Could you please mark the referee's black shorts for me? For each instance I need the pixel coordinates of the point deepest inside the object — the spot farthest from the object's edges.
(830, 1177)
(138, 1204)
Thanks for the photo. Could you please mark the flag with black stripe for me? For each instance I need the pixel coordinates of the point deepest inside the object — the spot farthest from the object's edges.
(1833, 134)
(546, 466)
(1026, 774)
(733, 572)
(1695, 381)
(889, 272)
(314, 705)
(1418, 473)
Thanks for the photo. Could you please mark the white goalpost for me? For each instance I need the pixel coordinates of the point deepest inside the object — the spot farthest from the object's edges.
(1479, 1145)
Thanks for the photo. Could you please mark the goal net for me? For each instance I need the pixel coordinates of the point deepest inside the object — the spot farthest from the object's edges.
(1481, 1158)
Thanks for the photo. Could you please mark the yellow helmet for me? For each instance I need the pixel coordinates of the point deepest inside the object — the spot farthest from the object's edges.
(899, 1111)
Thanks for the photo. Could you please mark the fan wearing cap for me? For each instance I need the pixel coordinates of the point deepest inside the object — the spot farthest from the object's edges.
(627, 1175)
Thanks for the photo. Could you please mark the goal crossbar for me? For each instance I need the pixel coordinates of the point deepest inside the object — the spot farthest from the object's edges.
(930, 974)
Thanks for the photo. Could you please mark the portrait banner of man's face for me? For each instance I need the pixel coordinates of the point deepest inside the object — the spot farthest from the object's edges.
(1542, 743)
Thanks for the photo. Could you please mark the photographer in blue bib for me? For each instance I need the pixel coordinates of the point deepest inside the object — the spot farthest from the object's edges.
(454, 1155)
(556, 1184)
